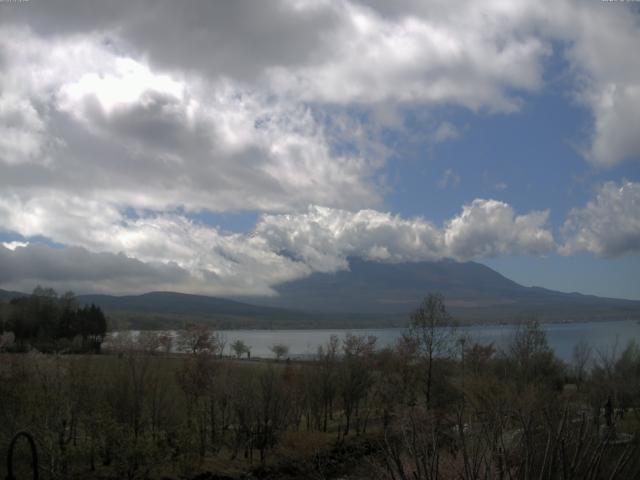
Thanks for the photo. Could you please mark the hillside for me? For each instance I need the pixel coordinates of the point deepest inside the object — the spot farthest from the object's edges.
(171, 310)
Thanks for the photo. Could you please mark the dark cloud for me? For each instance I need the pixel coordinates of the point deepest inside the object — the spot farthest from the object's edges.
(72, 265)
(237, 38)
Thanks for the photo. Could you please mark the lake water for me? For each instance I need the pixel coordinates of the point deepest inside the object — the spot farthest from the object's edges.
(562, 337)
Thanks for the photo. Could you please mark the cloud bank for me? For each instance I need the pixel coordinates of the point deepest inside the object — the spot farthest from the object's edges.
(169, 250)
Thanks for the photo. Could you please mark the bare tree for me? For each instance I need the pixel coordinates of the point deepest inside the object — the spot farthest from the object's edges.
(328, 358)
(431, 327)
(580, 360)
(530, 355)
(356, 374)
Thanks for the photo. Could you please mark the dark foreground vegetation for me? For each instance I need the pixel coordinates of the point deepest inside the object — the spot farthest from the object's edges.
(434, 406)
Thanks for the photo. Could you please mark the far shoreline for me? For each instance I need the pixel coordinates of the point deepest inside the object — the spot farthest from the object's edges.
(210, 324)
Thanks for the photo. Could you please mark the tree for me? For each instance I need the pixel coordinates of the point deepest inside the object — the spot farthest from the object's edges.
(93, 326)
(532, 358)
(272, 409)
(356, 375)
(328, 360)
(239, 348)
(197, 339)
(43, 319)
(279, 350)
(431, 328)
(580, 360)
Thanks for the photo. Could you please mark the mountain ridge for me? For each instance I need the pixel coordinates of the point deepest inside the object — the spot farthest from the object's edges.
(368, 294)
(472, 292)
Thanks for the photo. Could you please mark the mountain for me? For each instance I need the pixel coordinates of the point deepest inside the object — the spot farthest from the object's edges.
(177, 304)
(171, 310)
(368, 294)
(6, 295)
(472, 292)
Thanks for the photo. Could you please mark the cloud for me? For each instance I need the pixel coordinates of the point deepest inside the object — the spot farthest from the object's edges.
(596, 38)
(616, 111)
(325, 238)
(234, 65)
(113, 134)
(322, 51)
(110, 126)
(213, 262)
(13, 245)
(445, 57)
(282, 247)
(608, 225)
(487, 228)
(71, 267)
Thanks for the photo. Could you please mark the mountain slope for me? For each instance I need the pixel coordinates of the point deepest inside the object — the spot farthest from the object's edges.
(178, 304)
(6, 295)
(170, 310)
(472, 291)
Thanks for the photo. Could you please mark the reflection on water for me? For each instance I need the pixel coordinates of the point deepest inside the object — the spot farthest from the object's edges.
(562, 337)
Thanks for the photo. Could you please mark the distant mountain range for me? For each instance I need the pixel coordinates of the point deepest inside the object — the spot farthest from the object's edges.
(368, 294)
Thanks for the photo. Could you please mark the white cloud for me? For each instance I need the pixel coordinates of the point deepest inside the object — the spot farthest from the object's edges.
(120, 83)
(487, 228)
(616, 111)
(282, 247)
(481, 56)
(448, 56)
(598, 38)
(213, 262)
(608, 225)
(323, 238)
(15, 244)
(126, 129)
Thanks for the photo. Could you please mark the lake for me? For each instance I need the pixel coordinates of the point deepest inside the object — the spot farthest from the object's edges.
(603, 336)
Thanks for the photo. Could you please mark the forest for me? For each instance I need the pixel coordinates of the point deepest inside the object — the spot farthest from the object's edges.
(436, 405)
(50, 323)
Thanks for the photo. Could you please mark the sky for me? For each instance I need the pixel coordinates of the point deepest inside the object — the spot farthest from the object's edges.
(222, 148)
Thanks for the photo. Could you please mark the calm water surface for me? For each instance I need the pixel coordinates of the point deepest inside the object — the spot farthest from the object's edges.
(562, 337)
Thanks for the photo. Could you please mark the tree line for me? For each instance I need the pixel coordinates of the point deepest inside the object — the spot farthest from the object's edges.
(52, 323)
